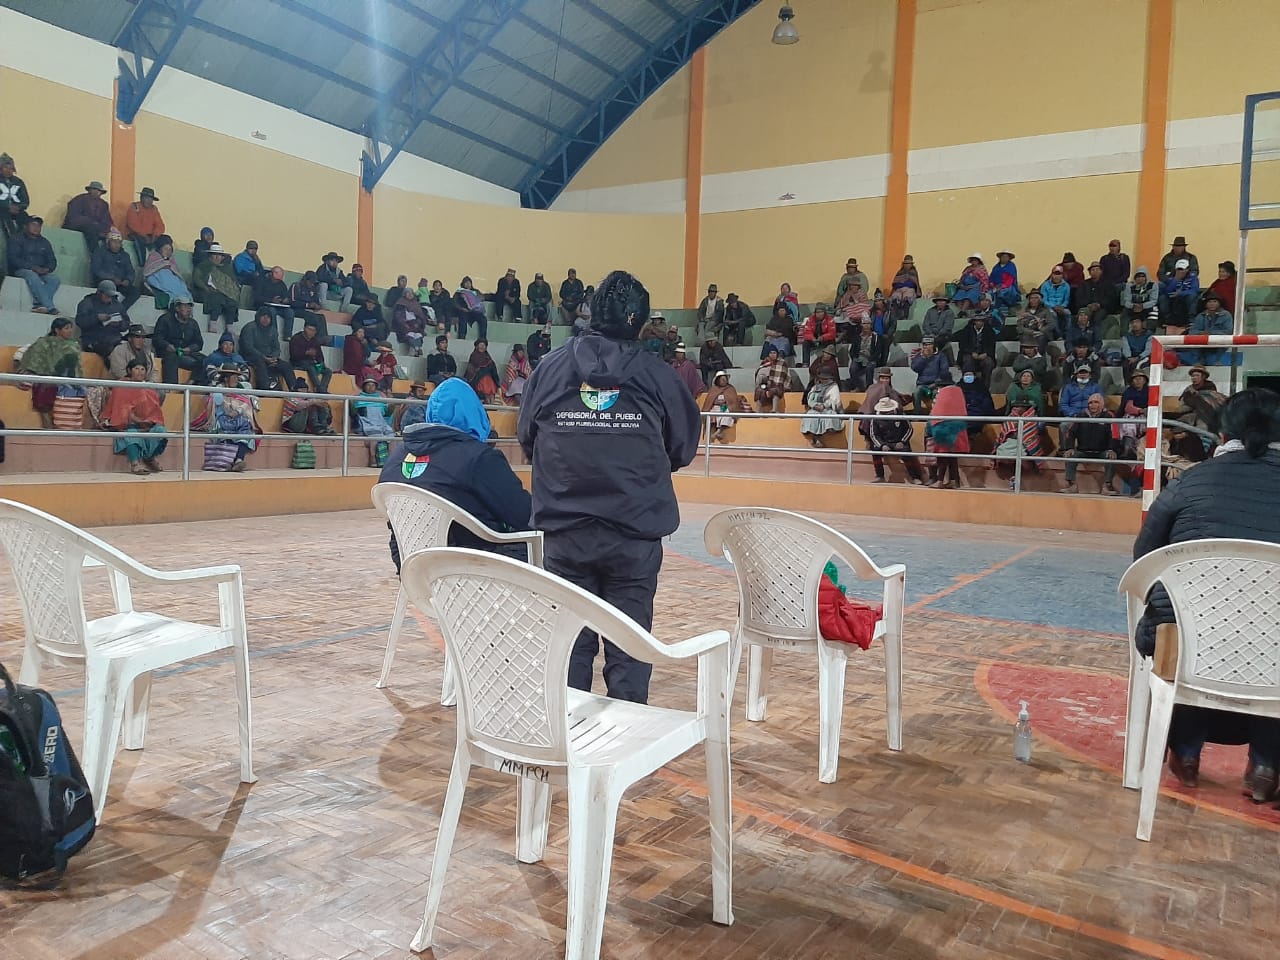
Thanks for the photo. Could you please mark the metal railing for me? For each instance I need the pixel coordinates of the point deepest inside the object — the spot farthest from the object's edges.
(343, 436)
(850, 421)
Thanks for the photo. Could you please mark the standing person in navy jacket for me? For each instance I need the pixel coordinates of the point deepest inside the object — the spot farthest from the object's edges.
(606, 423)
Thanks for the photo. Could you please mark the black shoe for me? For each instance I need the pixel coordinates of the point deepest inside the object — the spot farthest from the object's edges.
(1265, 783)
(1187, 771)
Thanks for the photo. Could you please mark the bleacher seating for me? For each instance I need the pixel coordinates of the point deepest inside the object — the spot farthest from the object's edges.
(20, 327)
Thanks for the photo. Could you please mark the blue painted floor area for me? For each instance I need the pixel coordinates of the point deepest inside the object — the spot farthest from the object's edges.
(1052, 584)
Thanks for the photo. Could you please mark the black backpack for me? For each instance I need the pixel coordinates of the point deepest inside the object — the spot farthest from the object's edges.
(46, 811)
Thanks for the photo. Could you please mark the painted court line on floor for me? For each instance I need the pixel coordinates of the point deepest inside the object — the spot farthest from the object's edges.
(968, 579)
(951, 884)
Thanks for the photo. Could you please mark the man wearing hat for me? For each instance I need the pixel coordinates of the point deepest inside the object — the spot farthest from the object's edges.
(102, 320)
(248, 265)
(407, 414)
(143, 223)
(977, 346)
(710, 318)
(133, 349)
(713, 358)
(110, 262)
(1030, 358)
(31, 257)
(89, 214)
(851, 273)
(687, 371)
(1073, 401)
(507, 297)
(13, 197)
(1141, 299)
(213, 282)
(817, 330)
(539, 344)
(359, 287)
(738, 319)
(605, 424)
(1098, 295)
(887, 431)
(306, 353)
(539, 294)
(1115, 266)
(178, 342)
(1179, 294)
(260, 347)
(1215, 322)
(939, 320)
(1169, 262)
(931, 366)
(332, 282)
(369, 316)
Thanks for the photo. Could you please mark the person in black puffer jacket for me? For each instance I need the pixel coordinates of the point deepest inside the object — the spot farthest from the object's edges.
(1232, 496)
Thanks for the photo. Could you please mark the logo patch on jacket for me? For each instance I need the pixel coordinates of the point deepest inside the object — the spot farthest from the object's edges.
(414, 466)
(598, 398)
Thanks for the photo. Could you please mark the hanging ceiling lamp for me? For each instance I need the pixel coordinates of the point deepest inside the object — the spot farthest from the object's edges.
(785, 32)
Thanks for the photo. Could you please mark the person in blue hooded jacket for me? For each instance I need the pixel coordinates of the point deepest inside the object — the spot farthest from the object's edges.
(450, 456)
(606, 424)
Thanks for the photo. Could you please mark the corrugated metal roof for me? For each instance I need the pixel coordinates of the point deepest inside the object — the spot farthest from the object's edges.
(497, 114)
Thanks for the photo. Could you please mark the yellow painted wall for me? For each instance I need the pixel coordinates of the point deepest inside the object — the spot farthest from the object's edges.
(828, 97)
(55, 166)
(1039, 222)
(751, 252)
(1240, 36)
(296, 210)
(649, 146)
(997, 69)
(1202, 204)
(419, 235)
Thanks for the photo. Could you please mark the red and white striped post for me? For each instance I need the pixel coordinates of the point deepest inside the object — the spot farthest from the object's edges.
(1155, 404)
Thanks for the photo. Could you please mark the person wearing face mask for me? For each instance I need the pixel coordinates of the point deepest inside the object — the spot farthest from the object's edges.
(1074, 399)
(977, 400)
(1093, 441)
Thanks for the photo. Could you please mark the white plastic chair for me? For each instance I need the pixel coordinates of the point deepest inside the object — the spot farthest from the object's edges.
(48, 557)
(1226, 598)
(421, 519)
(779, 557)
(508, 629)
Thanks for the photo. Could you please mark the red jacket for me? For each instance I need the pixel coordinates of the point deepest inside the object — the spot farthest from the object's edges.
(827, 334)
(1226, 289)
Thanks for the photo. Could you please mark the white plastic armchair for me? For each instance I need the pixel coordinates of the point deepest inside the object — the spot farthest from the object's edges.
(1226, 599)
(779, 557)
(421, 519)
(48, 557)
(508, 629)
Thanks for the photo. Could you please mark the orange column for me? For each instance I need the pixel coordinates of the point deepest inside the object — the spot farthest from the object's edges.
(364, 230)
(1151, 240)
(123, 153)
(693, 177)
(895, 201)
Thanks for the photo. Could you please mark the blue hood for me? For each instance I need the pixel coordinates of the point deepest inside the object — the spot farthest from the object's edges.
(454, 404)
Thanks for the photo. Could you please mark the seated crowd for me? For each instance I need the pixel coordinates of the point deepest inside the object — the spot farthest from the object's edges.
(853, 333)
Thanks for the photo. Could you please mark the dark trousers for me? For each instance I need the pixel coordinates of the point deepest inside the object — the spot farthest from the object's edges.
(911, 463)
(319, 378)
(476, 317)
(265, 368)
(170, 363)
(621, 571)
(1192, 727)
(217, 306)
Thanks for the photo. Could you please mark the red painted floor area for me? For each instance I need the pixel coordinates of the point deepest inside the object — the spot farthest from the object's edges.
(1081, 714)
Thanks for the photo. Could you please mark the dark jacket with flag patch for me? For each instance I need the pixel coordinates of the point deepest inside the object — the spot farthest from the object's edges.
(466, 472)
(606, 423)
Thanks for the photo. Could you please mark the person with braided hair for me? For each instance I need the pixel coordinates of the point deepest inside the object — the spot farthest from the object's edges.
(605, 424)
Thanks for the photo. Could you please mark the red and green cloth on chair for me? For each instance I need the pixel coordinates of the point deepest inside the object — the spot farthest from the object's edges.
(842, 619)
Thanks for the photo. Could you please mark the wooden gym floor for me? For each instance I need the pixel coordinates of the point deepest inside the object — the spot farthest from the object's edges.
(947, 849)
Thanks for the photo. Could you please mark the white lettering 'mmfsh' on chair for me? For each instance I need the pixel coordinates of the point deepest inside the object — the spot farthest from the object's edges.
(1226, 599)
(508, 629)
(779, 557)
(421, 519)
(119, 652)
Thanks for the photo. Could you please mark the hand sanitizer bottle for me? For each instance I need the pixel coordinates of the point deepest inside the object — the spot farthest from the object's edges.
(1022, 735)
